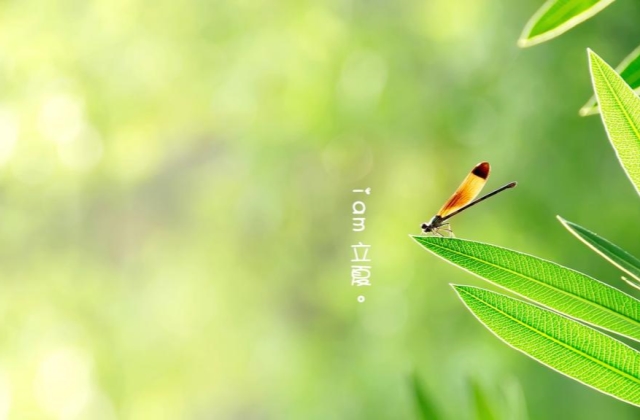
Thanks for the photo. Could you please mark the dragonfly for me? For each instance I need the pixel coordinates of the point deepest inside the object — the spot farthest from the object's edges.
(462, 199)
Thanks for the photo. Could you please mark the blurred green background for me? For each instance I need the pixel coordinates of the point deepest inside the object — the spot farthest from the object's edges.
(175, 203)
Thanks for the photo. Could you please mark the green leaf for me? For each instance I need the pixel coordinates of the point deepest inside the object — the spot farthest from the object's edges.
(629, 70)
(620, 112)
(573, 349)
(426, 408)
(552, 285)
(611, 252)
(556, 17)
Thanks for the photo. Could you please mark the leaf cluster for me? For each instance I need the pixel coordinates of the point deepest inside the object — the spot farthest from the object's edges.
(571, 319)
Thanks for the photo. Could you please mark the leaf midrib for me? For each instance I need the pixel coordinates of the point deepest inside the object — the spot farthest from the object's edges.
(560, 342)
(617, 314)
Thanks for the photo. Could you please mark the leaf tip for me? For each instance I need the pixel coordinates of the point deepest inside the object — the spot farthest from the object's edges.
(586, 111)
(465, 292)
(593, 57)
(524, 43)
(459, 287)
(456, 288)
(567, 224)
(417, 239)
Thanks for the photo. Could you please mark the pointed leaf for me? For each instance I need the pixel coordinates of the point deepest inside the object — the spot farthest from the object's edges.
(556, 17)
(552, 285)
(629, 70)
(611, 252)
(620, 112)
(573, 349)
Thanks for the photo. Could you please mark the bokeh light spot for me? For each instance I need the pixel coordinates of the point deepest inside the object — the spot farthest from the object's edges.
(63, 382)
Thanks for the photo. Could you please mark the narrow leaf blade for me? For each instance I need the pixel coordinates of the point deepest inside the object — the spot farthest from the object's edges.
(573, 349)
(610, 251)
(552, 285)
(556, 17)
(620, 112)
(629, 70)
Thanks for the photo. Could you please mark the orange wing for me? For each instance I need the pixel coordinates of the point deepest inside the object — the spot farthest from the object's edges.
(468, 190)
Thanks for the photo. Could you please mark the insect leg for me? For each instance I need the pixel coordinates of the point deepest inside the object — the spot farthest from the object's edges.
(451, 235)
